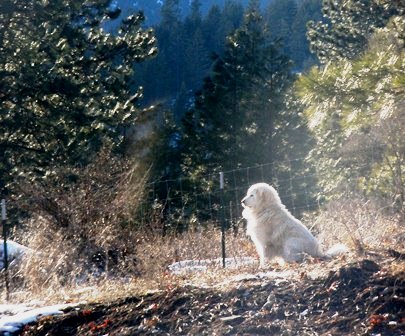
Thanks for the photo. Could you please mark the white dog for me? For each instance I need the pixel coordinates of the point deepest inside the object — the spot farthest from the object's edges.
(275, 231)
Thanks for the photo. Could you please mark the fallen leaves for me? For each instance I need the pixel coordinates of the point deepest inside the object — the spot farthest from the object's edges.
(377, 319)
(86, 312)
(380, 321)
(355, 299)
(97, 327)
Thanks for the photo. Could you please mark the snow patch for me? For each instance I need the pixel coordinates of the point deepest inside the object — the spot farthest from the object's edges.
(22, 315)
(14, 250)
(190, 266)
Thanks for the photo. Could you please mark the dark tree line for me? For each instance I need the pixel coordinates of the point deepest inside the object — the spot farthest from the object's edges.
(222, 84)
(241, 116)
(187, 46)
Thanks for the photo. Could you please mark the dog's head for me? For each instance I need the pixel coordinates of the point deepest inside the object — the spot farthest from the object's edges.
(260, 195)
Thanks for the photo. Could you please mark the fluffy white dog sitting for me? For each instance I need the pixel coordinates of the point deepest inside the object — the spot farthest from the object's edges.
(275, 231)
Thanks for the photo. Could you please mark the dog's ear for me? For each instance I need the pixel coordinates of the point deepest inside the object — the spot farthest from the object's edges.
(273, 195)
(265, 195)
(268, 195)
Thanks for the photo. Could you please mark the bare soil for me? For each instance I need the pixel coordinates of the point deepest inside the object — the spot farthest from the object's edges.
(361, 297)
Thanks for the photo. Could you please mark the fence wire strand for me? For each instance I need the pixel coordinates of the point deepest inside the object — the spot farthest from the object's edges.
(187, 203)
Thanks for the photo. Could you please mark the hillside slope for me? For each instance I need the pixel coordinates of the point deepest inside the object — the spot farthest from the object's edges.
(365, 296)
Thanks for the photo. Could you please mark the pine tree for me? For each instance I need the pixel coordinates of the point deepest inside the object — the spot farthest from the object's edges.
(211, 28)
(280, 16)
(170, 37)
(297, 42)
(185, 46)
(232, 17)
(196, 57)
(66, 85)
(238, 105)
(348, 26)
(355, 111)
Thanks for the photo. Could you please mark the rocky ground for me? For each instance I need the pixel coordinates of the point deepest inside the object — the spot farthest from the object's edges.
(364, 296)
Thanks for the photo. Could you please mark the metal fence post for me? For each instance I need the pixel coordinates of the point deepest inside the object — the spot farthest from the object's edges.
(221, 187)
(5, 254)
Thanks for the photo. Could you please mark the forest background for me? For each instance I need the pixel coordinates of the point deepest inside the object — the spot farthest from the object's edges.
(111, 125)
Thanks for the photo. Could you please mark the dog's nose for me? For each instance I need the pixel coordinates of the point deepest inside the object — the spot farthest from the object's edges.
(243, 200)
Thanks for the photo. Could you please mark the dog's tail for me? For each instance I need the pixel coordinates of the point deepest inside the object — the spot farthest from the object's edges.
(336, 250)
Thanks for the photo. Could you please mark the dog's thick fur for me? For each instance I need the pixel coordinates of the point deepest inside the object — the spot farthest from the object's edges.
(274, 230)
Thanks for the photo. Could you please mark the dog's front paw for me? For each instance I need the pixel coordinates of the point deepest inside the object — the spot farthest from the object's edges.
(263, 264)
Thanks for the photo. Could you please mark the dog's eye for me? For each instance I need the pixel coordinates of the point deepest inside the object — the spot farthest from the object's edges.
(251, 195)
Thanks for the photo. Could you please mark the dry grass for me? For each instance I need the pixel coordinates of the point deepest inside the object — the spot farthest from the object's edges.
(132, 262)
(62, 269)
(361, 225)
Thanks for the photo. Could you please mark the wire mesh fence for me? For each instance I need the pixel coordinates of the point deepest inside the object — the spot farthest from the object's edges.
(188, 202)
(184, 202)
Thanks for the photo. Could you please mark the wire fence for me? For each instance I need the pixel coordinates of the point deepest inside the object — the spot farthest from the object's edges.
(184, 202)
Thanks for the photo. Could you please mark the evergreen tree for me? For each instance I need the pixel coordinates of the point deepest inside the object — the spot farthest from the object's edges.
(297, 42)
(238, 105)
(232, 17)
(280, 16)
(211, 29)
(170, 37)
(185, 46)
(355, 111)
(348, 26)
(66, 84)
(195, 12)
(196, 58)
(197, 61)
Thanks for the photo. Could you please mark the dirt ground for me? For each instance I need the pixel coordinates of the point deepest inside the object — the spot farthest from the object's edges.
(365, 296)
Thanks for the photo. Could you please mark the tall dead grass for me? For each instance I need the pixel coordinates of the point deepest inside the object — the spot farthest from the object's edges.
(84, 232)
(60, 269)
(361, 225)
(87, 246)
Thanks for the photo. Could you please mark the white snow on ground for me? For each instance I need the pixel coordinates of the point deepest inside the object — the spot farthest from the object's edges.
(14, 250)
(22, 315)
(12, 309)
(188, 266)
(14, 317)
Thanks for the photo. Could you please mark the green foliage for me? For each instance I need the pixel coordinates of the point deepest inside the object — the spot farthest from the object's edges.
(297, 42)
(67, 86)
(356, 112)
(242, 117)
(280, 16)
(287, 20)
(186, 44)
(234, 106)
(185, 49)
(348, 26)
